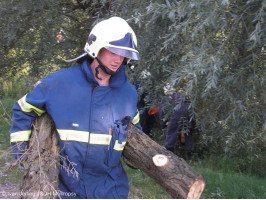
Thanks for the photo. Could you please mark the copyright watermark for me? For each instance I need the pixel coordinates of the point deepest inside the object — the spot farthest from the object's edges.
(37, 194)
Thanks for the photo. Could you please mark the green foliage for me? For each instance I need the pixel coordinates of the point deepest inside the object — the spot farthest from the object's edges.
(16, 87)
(211, 51)
(214, 53)
(30, 31)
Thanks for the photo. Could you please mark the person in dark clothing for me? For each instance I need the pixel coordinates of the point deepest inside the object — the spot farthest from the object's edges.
(177, 125)
(147, 120)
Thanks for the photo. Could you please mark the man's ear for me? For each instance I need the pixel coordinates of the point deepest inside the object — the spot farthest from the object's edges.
(125, 61)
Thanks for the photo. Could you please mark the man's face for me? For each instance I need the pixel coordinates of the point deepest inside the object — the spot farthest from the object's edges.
(110, 60)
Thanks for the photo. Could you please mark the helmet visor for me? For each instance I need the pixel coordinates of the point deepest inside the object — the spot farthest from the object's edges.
(77, 58)
(125, 53)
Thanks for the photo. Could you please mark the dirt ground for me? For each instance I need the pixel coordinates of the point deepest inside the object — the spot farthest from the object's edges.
(9, 190)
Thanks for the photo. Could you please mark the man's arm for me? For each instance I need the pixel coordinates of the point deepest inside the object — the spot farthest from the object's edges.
(25, 110)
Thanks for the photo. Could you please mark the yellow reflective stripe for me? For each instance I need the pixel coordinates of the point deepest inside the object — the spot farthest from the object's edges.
(26, 107)
(83, 136)
(103, 139)
(20, 136)
(118, 146)
(136, 119)
(79, 136)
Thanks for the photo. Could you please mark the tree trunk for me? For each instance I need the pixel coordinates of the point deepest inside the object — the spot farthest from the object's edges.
(174, 175)
(41, 163)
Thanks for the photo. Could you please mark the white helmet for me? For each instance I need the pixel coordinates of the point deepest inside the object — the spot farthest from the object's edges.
(115, 35)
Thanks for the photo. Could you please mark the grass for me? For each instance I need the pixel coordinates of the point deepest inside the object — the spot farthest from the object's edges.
(6, 156)
(231, 185)
(11, 175)
(222, 182)
(143, 187)
(219, 185)
(6, 105)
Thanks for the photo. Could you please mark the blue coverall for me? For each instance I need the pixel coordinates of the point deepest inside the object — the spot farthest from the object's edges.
(83, 112)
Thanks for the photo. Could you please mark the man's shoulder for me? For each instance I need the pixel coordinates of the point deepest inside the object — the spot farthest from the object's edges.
(62, 76)
(68, 71)
(130, 87)
(65, 72)
(128, 91)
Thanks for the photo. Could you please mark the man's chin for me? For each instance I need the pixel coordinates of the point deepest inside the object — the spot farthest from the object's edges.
(114, 69)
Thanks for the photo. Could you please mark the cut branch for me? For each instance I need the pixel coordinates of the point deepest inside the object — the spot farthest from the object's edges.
(175, 175)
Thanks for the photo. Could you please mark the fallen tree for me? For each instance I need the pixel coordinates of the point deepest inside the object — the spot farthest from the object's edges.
(41, 164)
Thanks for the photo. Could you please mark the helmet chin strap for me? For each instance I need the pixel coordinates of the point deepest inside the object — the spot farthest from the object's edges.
(105, 69)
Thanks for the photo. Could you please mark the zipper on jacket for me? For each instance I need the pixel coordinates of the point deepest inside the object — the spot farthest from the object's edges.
(91, 107)
(87, 150)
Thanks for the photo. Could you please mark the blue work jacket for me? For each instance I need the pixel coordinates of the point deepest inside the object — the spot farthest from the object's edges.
(84, 113)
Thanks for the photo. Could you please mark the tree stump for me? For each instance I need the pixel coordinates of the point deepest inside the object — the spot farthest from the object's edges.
(41, 162)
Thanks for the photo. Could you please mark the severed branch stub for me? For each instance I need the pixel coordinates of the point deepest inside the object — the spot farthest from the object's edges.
(160, 160)
(166, 168)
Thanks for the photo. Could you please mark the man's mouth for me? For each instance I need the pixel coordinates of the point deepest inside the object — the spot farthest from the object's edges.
(114, 67)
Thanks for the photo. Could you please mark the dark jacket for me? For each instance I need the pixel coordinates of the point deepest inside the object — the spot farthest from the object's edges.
(178, 119)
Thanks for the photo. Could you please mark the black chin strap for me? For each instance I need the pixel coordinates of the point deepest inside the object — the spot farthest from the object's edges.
(97, 72)
(105, 69)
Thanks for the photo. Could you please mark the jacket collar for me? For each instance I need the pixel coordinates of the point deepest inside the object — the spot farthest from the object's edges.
(116, 80)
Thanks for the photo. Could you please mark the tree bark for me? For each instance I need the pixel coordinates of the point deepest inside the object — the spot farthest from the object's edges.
(41, 163)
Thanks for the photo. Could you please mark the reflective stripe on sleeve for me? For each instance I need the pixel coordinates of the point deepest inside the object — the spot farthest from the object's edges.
(136, 119)
(26, 107)
(20, 136)
(119, 147)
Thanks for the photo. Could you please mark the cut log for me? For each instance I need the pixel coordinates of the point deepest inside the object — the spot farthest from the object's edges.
(166, 168)
(41, 163)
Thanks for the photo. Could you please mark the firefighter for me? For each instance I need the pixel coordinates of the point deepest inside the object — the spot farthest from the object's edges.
(87, 103)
